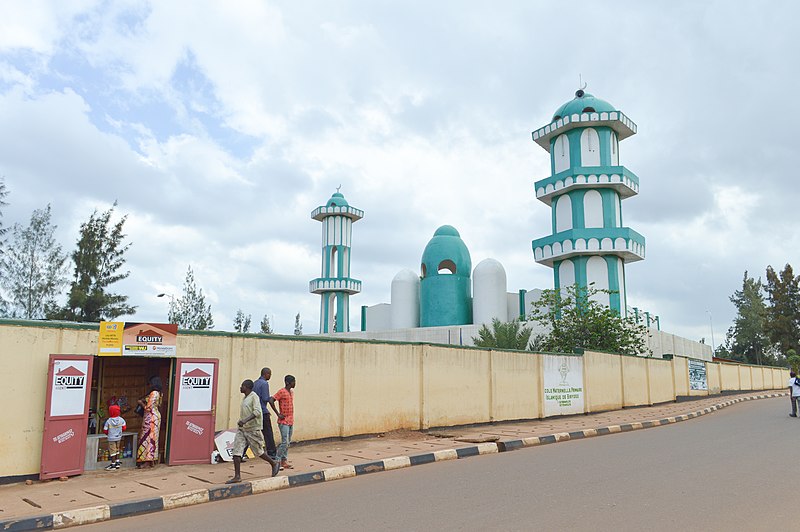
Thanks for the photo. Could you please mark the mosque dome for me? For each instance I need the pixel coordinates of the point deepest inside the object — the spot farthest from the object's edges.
(583, 103)
(446, 252)
(337, 200)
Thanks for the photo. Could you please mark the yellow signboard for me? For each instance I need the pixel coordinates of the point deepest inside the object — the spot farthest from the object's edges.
(118, 338)
(110, 340)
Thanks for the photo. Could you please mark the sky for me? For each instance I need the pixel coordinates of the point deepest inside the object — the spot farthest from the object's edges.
(219, 126)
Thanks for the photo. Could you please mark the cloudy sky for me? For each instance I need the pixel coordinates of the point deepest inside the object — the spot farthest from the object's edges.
(219, 126)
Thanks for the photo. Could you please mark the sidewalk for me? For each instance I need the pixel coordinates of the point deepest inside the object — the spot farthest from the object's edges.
(101, 495)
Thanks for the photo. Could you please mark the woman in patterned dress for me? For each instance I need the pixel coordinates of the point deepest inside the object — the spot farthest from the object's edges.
(147, 453)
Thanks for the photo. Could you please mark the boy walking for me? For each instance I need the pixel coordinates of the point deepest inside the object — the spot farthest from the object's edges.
(113, 428)
(285, 398)
(249, 434)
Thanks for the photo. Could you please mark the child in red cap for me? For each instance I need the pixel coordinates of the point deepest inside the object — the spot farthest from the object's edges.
(113, 429)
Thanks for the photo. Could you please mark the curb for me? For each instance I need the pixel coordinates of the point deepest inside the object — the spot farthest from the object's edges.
(105, 512)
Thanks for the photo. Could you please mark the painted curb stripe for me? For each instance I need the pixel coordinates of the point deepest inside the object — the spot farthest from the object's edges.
(445, 454)
(396, 462)
(602, 431)
(465, 452)
(28, 523)
(369, 467)
(82, 516)
(419, 459)
(228, 492)
(307, 478)
(143, 506)
(187, 498)
(577, 435)
(510, 445)
(263, 485)
(544, 440)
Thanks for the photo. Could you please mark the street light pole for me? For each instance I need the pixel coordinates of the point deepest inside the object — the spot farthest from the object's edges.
(711, 323)
(171, 301)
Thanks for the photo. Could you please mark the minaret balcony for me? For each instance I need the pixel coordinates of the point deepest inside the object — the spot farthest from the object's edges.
(620, 241)
(619, 178)
(320, 213)
(322, 285)
(616, 120)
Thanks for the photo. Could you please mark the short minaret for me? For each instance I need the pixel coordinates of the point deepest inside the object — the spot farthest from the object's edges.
(589, 243)
(335, 284)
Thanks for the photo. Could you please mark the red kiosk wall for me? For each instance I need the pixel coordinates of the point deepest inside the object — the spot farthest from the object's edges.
(66, 415)
(193, 411)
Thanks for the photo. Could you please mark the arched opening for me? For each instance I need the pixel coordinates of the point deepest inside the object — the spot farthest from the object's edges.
(447, 267)
(561, 154)
(563, 213)
(592, 209)
(588, 110)
(334, 269)
(590, 148)
(422, 270)
(614, 149)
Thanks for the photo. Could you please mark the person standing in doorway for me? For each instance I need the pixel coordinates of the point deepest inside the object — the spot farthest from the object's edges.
(794, 392)
(261, 389)
(249, 433)
(113, 429)
(147, 452)
(285, 398)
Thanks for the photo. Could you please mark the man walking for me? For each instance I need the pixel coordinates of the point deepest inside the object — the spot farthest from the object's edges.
(249, 434)
(261, 389)
(794, 391)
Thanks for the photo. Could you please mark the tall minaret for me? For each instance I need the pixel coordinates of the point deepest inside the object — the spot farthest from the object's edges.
(589, 244)
(335, 284)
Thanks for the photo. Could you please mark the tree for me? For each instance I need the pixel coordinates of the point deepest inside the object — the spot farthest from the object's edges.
(747, 339)
(298, 325)
(33, 269)
(510, 335)
(793, 360)
(266, 326)
(783, 313)
(190, 310)
(576, 320)
(98, 260)
(241, 323)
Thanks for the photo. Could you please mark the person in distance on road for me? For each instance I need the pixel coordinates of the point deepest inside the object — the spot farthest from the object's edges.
(794, 392)
(249, 434)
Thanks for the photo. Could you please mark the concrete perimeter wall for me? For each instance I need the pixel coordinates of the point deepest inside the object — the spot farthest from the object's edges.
(350, 387)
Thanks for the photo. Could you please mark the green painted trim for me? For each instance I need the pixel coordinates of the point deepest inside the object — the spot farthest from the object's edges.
(612, 263)
(578, 216)
(609, 198)
(522, 294)
(51, 324)
(363, 318)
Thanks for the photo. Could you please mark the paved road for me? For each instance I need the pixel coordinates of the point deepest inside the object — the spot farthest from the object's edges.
(729, 470)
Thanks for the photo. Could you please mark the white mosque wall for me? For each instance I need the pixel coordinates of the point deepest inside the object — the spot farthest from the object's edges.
(489, 296)
(566, 274)
(405, 301)
(379, 317)
(660, 342)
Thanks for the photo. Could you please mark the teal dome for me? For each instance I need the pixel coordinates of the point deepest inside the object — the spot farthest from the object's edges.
(337, 200)
(583, 103)
(446, 251)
